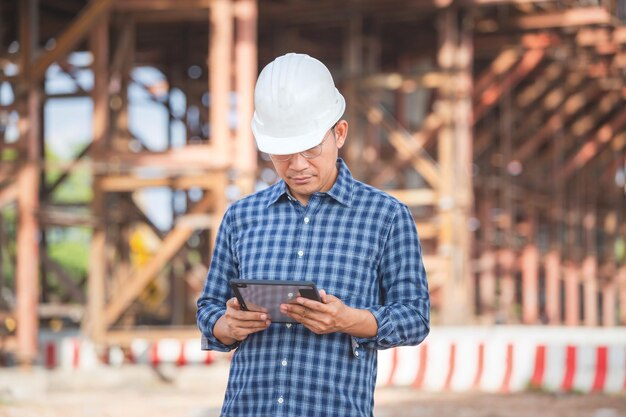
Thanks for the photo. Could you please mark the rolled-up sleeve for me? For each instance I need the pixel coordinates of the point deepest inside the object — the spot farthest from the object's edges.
(212, 302)
(404, 316)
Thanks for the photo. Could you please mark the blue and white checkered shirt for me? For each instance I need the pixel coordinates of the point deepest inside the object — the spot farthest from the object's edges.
(357, 243)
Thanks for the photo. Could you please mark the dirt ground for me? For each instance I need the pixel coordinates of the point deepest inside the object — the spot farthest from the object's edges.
(136, 391)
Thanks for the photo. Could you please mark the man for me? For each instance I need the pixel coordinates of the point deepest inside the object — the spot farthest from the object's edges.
(358, 244)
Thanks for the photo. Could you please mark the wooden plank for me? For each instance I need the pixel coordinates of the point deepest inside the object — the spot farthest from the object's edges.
(593, 145)
(501, 2)
(557, 121)
(580, 16)
(572, 295)
(162, 5)
(246, 72)
(129, 183)
(530, 284)
(99, 43)
(415, 197)
(552, 291)
(188, 158)
(426, 168)
(27, 287)
(220, 64)
(499, 66)
(27, 244)
(72, 36)
(404, 82)
(590, 290)
(134, 285)
(404, 143)
(427, 230)
(530, 60)
(531, 94)
(8, 195)
(552, 102)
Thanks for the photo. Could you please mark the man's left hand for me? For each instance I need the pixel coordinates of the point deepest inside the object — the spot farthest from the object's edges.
(330, 316)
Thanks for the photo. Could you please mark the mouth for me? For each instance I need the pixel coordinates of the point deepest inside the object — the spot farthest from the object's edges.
(301, 180)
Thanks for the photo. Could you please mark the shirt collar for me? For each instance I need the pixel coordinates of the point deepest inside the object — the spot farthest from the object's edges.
(341, 190)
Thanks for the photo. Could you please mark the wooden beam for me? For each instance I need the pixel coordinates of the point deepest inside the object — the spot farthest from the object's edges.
(498, 67)
(415, 197)
(162, 5)
(572, 106)
(454, 166)
(246, 72)
(404, 142)
(552, 291)
(129, 183)
(135, 284)
(181, 160)
(27, 244)
(592, 146)
(72, 36)
(530, 60)
(399, 81)
(580, 16)
(530, 284)
(531, 94)
(99, 42)
(8, 195)
(502, 2)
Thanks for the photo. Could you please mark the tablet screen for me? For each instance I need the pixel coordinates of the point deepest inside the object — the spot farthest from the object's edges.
(267, 296)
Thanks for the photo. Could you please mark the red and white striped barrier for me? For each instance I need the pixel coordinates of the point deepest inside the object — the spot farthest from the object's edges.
(172, 351)
(509, 359)
(67, 351)
(492, 359)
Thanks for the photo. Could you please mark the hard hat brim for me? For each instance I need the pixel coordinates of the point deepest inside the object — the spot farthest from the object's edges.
(294, 144)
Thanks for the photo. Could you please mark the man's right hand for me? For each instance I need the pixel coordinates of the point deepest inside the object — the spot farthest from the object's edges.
(236, 324)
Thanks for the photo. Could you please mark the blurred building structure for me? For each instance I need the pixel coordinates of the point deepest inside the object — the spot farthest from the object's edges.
(501, 123)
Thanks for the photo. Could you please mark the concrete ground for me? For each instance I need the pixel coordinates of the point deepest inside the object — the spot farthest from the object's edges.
(140, 391)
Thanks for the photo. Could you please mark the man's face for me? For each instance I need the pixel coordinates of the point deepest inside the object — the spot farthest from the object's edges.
(305, 176)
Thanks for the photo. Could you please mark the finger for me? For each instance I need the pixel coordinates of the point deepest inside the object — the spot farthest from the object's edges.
(247, 315)
(250, 325)
(323, 296)
(311, 304)
(233, 303)
(292, 309)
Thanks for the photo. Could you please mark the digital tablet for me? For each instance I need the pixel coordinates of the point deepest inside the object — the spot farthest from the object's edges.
(268, 295)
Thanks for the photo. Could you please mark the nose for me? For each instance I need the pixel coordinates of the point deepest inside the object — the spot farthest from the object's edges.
(298, 162)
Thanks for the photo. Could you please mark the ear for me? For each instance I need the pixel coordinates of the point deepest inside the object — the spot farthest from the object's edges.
(341, 133)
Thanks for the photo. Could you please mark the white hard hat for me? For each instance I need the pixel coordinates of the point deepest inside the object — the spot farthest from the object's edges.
(295, 102)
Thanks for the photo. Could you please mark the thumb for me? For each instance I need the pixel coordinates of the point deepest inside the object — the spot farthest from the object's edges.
(233, 303)
(323, 296)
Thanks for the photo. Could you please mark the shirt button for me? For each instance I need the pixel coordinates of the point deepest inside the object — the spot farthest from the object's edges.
(306, 220)
(356, 353)
(284, 362)
(300, 253)
(281, 400)
(288, 325)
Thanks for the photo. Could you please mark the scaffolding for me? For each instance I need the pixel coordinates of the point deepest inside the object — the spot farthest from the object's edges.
(501, 123)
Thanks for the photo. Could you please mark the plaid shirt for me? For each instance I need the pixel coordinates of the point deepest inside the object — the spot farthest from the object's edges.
(357, 243)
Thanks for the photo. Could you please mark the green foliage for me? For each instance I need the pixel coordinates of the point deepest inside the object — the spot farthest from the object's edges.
(76, 188)
(8, 155)
(70, 249)
(7, 252)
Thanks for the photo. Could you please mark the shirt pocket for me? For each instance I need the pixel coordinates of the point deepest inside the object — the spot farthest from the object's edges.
(348, 275)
